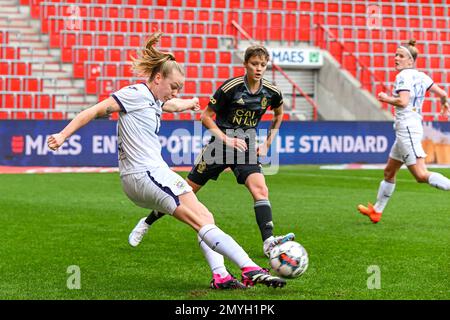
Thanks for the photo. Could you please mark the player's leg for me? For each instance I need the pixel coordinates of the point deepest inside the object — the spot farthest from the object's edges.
(422, 175)
(198, 176)
(195, 214)
(415, 161)
(137, 234)
(255, 182)
(385, 191)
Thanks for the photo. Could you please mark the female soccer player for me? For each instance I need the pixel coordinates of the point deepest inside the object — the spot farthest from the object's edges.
(409, 93)
(146, 178)
(238, 106)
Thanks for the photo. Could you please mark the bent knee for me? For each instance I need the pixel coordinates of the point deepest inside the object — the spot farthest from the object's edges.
(206, 217)
(260, 192)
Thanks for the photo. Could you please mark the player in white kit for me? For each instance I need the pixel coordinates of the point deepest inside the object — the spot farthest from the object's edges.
(409, 93)
(146, 178)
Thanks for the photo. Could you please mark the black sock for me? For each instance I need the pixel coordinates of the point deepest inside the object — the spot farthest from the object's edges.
(153, 216)
(263, 212)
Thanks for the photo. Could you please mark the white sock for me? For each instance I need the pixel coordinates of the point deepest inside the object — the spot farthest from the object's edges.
(384, 194)
(222, 243)
(214, 259)
(437, 180)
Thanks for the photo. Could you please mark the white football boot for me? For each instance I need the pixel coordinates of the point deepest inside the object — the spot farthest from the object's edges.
(138, 233)
(272, 241)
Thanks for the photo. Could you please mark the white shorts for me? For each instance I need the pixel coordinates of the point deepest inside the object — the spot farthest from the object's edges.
(408, 146)
(157, 190)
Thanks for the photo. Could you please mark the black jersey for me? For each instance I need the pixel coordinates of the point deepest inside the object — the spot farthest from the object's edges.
(237, 108)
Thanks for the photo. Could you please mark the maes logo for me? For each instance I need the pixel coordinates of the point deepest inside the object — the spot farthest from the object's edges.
(38, 146)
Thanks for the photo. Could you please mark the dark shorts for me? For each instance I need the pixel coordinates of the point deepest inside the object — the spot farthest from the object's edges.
(206, 168)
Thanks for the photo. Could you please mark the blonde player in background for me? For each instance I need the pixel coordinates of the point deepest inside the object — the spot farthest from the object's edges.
(146, 178)
(411, 86)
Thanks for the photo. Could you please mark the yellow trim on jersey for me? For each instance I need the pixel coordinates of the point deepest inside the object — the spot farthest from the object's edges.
(271, 86)
(232, 84)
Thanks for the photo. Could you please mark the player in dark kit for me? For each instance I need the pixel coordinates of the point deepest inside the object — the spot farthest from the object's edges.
(238, 105)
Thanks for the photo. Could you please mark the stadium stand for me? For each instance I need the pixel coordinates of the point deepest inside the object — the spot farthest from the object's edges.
(71, 54)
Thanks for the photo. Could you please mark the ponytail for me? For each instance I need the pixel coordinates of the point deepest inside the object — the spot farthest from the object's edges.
(150, 60)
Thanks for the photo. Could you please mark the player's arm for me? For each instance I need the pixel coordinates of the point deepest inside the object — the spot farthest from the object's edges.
(208, 121)
(401, 100)
(273, 131)
(442, 94)
(100, 110)
(180, 105)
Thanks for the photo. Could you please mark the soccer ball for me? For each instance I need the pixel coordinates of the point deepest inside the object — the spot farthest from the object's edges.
(289, 259)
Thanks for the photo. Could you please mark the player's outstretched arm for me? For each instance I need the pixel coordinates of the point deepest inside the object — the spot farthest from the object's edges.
(101, 109)
(442, 94)
(180, 105)
(401, 101)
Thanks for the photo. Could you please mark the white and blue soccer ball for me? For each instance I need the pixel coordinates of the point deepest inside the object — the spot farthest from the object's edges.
(289, 259)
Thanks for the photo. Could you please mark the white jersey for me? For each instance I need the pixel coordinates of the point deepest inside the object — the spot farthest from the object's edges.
(417, 83)
(139, 148)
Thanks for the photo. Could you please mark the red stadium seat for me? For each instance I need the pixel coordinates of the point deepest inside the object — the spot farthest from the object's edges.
(210, 57)
(15, 84)
(57, 116)
(87, 39)
(4, 115)
(37, 115)
(224, 57)
(378, 47)
(447, 63)
(114, 55)
(435, 62)
(238, 71)
(212, 42)
(43, 101)
(91, 86)
(167, 116)
(78, 70)
(363, 46)
(267, 116)
(207, 72)
(194, 56)
(25, 101)
(206, 87)
(111, 70)
(223, 72)
(184, 116)
(19, 115)
(190, 87)
(203, 101)
(197, 42)
(181, 42)
(8, 100)
(98, 54)
(445, 49)
(191, 72)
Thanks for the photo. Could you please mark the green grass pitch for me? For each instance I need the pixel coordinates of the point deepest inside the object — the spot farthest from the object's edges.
(53, 221)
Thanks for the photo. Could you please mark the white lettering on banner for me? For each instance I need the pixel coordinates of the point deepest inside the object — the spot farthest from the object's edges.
(300, 57)
(287, 146)
(288, 57)
(38, 146)
(345, 144)
(184, 144)
(104, 144)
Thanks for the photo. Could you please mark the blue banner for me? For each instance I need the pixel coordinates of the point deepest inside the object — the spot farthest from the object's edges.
(23, 143)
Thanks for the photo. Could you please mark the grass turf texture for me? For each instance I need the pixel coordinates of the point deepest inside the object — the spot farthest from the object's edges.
(50, 222)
